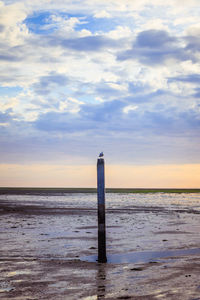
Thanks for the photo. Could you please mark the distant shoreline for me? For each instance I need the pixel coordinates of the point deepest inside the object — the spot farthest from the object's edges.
(53, 191)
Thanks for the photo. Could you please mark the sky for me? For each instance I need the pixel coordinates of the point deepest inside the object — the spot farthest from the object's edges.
(84, 76)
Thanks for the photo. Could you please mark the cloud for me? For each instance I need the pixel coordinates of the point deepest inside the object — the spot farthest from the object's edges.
(107, 91)
(193, 43)
(190, 82)
(54, 121)
(142, 136)
(154, 39)
(48, 82)
(102, 14)
(90, 117)
(129, 108)
(5, 117)
(197, 93)
(192, 78)
(118, 117)
(87, 75)
(9, 58)
(140, 96)
(1, 28)
(155, 47)
(84, 44)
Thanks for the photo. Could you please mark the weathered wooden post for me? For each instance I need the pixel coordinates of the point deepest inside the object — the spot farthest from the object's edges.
(101, 210)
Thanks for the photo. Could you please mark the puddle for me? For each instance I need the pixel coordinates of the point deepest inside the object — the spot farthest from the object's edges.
(8, 289)
(143, 257)
(5, 287)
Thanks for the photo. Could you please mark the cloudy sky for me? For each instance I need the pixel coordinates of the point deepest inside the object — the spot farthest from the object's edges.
(84, 76)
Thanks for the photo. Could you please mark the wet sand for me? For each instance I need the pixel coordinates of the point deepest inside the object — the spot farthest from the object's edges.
(44, 249)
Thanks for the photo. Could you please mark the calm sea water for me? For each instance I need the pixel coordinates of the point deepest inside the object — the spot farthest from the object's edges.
(113, 200)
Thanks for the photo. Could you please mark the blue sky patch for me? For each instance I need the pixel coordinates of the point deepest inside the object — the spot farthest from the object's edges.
(10, 91)
(39, 21)
(97, 25)
(42, 23)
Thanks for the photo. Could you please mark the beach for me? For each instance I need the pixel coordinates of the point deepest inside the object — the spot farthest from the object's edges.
(49, 246)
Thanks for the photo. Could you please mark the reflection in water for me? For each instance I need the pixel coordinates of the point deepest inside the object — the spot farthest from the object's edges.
(101, 281)
(145, 256)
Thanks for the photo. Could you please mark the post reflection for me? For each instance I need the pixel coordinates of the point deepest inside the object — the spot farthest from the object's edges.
(101, 281)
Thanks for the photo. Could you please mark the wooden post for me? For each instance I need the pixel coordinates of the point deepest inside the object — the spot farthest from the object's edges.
(101, 211)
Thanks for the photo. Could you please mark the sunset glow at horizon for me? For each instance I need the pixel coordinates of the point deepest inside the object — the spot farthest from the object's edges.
(117, 176)
(81, 77)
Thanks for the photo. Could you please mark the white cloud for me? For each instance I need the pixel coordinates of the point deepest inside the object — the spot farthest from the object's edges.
(8, 103)
(154, 23)
(129, 108)
(121, 32)
(4, 124)
(70, 105)
(11, 18)
(117, 86)
(194, 29)
(102, 14)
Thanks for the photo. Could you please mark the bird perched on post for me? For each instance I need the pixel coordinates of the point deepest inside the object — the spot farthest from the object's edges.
(101, 154)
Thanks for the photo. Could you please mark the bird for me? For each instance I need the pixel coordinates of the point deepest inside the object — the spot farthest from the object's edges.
(101, 154)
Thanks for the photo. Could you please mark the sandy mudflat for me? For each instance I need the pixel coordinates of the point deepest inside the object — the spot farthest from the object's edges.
(44, 251)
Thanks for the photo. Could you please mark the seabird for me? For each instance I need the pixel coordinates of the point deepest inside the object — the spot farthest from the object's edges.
(101, 154)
